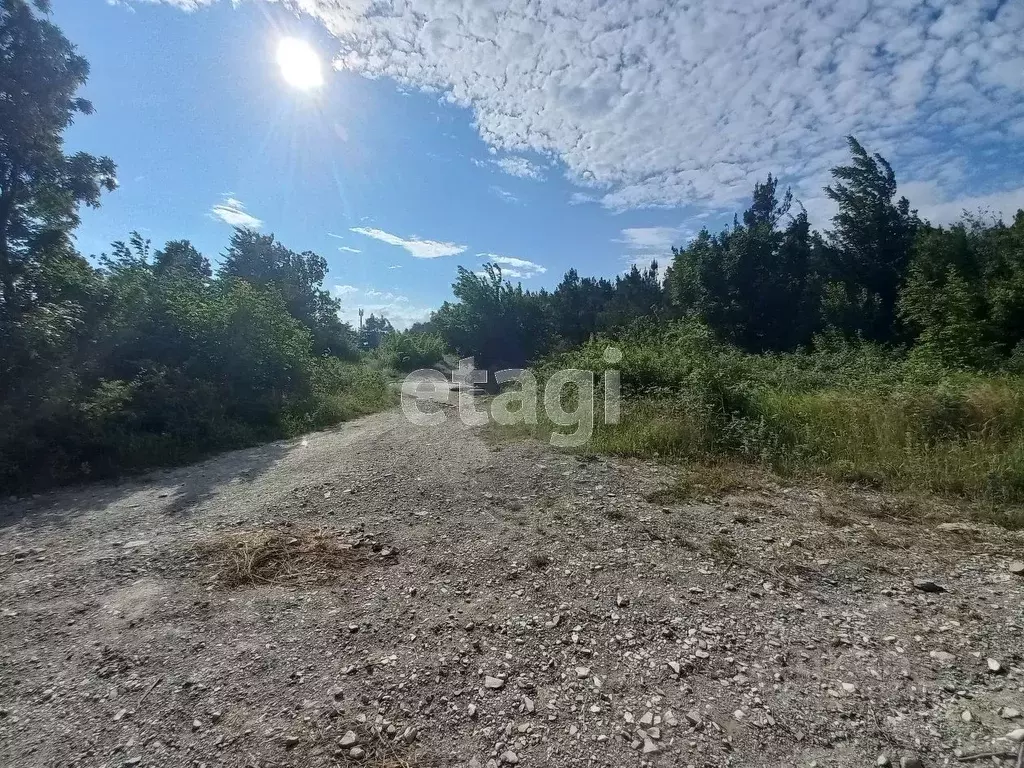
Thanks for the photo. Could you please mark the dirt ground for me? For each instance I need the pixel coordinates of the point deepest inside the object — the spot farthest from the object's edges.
(435, 599)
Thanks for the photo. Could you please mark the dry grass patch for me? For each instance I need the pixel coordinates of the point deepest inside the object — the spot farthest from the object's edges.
(713, 479)
(253, 558)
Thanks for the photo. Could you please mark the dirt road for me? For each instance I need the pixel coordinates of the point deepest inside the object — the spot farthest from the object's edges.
(441, 601)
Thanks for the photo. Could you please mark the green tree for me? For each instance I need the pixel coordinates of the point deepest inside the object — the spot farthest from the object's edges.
(374, 331)
(298, 277)
(755, 284)
(870, 243)
(41, 188)
(501, 326)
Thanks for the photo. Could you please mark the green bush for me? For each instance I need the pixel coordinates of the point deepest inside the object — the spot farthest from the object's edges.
(408, 351)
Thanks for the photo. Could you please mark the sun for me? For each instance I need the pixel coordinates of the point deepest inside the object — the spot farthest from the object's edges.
(300, 65)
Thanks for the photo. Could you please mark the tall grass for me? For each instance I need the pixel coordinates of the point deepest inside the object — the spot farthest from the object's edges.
(848, 412)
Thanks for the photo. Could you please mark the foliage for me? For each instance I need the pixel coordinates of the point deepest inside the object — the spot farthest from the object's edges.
(298, 277)
(849, 411)
(755, 284)
(374, 331)
(500, 325)
(409, 351)
(134, 364)
(41, 188)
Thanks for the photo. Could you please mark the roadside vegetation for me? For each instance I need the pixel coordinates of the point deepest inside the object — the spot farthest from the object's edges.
(141, 356)
(885, 351)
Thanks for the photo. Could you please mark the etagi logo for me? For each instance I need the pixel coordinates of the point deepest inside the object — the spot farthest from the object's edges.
(568, 399)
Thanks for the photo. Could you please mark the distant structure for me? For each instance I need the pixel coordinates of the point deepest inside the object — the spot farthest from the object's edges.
(360, 319)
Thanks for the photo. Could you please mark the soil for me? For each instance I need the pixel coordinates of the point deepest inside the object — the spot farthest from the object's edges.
(483, 603)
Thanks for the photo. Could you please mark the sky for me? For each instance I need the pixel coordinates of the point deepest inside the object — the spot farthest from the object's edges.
(538, 135)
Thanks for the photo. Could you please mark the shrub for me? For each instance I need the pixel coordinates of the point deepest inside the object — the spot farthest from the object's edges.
(410, 351)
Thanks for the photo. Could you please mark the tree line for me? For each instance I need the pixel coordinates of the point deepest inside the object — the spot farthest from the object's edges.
(772, 283)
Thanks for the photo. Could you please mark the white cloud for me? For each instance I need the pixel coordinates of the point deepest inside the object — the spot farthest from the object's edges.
(521, 167)
(348, 249)
(513, 267)
(503, 194)
(514, 166)
(421, 249)
(232, 211)
(398, 309)
(935, 206)
(581, 198)
(653, 239)
(653, 104)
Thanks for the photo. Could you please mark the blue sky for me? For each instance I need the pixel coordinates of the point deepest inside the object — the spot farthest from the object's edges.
(577, 134)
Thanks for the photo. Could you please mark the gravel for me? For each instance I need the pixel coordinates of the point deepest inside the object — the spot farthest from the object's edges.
(510, 605)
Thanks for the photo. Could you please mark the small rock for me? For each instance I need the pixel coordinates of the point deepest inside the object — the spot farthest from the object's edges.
(649, 747)
(694, 718)
(471, 710)
(215, 717)
(911, 761)
(582, 672)
(883, 761)
(621, 602)
(995, 667)
(291, 741)
(509, 758)
(1009, 713)
(120, 715)
(1016, 735)
(196, 725)
(357, 753)
(849, 687)
(410, 734)
(528, 705)
(495, 683)
(966, 716)
(675, 667)
(350, 739)
(1017, 568)
(927, 585)
(942, 657)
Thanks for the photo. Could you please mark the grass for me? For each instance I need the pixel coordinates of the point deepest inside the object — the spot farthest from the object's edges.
(852, 415)
(255, 558)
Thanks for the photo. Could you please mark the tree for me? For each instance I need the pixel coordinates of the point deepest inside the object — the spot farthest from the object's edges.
(261, 260)
(41, 188)
(374, 331)
(578, 306)
(870, 243)
(180, 257)
(755, 284)
(638, 293)
(501, 326)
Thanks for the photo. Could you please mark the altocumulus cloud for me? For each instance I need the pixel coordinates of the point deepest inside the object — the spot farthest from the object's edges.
(659, 104)
(421, 249)
(232, 211)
